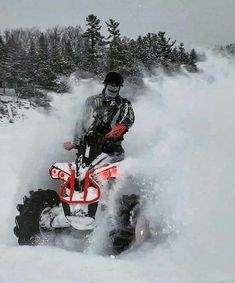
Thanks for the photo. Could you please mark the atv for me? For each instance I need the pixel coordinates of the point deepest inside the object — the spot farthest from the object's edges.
(77, 204)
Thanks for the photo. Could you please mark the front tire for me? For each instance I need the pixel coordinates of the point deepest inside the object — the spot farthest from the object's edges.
(27, 228)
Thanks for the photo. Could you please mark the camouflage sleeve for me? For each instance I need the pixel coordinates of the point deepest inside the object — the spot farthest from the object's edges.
(126, 116)
(81, 127)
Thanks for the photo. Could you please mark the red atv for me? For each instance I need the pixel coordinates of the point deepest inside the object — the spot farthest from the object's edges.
(79, 199)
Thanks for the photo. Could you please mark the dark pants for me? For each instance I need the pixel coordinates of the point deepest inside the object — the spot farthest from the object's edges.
(97, 145)
(114, 149)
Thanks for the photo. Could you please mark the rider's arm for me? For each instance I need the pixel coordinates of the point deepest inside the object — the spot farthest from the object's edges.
(77, 133)
(124, 121)
(82, 123)
(81, 126)
(126, 116)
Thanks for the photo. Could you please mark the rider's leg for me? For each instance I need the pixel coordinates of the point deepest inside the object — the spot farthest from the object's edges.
(115, 150)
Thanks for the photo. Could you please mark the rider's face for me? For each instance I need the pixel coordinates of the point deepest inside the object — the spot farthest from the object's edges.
(112, 89)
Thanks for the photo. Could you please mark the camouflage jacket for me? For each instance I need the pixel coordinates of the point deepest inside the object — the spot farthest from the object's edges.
(101, 115)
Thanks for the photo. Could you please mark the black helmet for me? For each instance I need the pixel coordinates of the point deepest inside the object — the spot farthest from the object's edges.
(114, 77)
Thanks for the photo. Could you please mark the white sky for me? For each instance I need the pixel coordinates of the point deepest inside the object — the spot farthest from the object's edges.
(195, 22)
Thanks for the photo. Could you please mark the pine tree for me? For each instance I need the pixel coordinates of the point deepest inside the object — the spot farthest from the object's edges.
(182, 55)
(94, 42)
(164, 51)
(56, 58)
(32, 66)
(69, 58)
(3, 74)
(15, 62)
(116, 52)
(147, 52)
(193, 60)
(74, 35)
(174, 60)
(45, 76)
(113, 29)
(193, 56)
(131, 67)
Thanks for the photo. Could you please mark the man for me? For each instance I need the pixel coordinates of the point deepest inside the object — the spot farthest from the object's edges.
(107, 116)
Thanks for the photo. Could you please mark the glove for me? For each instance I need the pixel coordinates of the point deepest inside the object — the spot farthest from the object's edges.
(68, 145)
(116, 132)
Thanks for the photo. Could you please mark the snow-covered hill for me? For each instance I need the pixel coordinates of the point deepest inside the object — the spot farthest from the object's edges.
(183, 140)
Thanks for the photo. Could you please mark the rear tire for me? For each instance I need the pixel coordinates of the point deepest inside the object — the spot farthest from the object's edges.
(124, 235)
(27, 228)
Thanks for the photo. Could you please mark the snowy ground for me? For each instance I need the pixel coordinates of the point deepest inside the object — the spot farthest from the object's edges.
(183, 138)
(12, 109)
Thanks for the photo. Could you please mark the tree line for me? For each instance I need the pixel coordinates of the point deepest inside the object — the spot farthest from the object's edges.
(31, 59)
(228, 49)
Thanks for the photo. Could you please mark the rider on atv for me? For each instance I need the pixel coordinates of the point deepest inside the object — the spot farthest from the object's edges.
(106, 118)
(78, 206)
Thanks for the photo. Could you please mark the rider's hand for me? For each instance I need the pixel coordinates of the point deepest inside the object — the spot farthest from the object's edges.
(116, 132)
(68, 145)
